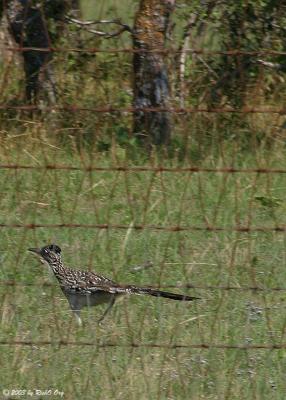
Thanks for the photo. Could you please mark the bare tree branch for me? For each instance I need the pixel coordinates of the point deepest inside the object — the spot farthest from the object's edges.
(277, 66)
(194, 20)
(87, 24)
(183, 51)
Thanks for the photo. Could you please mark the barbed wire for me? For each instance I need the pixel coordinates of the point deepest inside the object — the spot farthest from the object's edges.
(234, 52)
(205, 346)
(141, 227)
(171, 286)
(172, 110)
(157, 169)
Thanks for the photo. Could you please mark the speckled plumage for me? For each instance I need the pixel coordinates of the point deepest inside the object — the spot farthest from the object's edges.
(85, 288)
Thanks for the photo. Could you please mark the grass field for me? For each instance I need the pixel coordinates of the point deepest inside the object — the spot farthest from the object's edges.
(110, 368)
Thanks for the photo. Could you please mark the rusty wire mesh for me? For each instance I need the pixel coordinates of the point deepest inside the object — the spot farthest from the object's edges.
(210, 224)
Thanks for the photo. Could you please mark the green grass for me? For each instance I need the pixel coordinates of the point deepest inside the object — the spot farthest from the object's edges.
(235, 317)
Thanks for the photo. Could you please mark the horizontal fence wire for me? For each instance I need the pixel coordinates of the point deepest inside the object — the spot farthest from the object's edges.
(175, 228)
(90, 168)
(234, 52)
(183, 286)
(174, 346)
(171, 110)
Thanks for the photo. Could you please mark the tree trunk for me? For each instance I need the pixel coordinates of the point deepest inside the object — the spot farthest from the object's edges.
(28, 28)
(151, 87)
(28, 25)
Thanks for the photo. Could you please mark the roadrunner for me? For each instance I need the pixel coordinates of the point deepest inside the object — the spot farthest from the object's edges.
(85, 288)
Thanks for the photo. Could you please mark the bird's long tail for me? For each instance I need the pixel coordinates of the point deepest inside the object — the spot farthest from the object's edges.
(158, 293)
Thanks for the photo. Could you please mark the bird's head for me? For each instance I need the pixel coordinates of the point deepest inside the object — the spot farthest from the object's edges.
(50, 254)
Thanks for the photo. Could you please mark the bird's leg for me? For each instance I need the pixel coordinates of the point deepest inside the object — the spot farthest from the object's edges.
(112, 301)
(77, 316)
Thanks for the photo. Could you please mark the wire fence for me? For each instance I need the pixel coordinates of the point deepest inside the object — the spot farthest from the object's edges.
(148, 345)
(158, 169)
(109, 110)
(242, 229)
(92, 50)
(182, 286)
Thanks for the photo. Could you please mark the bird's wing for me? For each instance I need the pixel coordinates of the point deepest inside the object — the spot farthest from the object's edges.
(86, 282)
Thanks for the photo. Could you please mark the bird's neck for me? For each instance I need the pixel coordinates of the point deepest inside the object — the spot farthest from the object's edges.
(57, 267)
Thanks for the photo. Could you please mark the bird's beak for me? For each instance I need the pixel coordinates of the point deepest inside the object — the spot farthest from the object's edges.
(35, 250)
